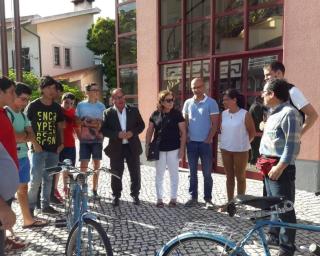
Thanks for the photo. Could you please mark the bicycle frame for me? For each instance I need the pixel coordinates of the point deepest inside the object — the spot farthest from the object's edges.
(238, 248)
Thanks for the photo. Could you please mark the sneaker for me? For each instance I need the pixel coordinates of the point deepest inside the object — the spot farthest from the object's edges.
(49, 210)
(12, 244)
(191, 203)
(272, 241)
(209, 205)
(136, 200)
(56, 200)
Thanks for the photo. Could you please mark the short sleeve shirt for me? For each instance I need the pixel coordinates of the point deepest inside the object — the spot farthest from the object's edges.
(90, 112)
(70, 125)
(20, 122)
(44, 122)
(168, 123)
(199, 117)
(297, 98)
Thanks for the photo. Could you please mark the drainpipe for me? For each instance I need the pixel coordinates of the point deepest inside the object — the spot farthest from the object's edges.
(17, 41)
(4, 44)
(39, 46)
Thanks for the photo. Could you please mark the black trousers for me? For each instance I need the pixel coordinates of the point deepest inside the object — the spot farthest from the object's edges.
(117, 167)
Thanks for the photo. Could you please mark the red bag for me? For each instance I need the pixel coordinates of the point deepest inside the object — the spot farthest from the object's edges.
(265, 164)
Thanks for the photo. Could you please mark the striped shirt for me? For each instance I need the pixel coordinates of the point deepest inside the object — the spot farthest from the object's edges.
(282, 133)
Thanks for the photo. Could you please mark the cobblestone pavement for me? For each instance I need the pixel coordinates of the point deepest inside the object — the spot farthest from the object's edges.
(141, 230)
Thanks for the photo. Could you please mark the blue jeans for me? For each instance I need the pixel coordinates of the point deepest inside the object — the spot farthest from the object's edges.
(40, 161)
(203, 150)
(284, 186)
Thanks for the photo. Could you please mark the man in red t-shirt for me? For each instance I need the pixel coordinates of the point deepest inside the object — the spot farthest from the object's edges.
(70, 130)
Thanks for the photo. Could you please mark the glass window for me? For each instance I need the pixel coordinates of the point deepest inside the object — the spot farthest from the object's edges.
(255, 72)
(129, 80)
(265, 28)
(132, 101)
(128, 50)
(127, 18)
(171, 79)
(229, 34)
(56, 57)
(171, 43)
(228, 5)
(67, 57)
(198, 8)
(198, 38)
(170, 12)
(256, 2)
(25, 59)
(194, 69)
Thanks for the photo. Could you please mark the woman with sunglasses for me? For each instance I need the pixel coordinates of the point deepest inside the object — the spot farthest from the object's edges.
(169, 124)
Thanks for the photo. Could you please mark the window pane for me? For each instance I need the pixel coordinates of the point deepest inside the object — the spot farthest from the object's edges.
(127, 18)
(171, 79)
(171, 43)
(265, 28)
(229, 34)
(255, 72)
(198, 38)
(170, 12)
(224, 6)
(67, 59)
(128, 50)
(129, 80)
(56, 60)
(198, 8)
(196, 69)
(132, 101)
(256, 2)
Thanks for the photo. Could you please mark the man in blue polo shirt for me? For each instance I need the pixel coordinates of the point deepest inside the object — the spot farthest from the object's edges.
(202, 116)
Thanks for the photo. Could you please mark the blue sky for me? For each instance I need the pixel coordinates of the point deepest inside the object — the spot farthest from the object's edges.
(52, 7)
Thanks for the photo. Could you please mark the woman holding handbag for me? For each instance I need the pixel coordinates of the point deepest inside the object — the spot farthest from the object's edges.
(237, 131)
(167, 127)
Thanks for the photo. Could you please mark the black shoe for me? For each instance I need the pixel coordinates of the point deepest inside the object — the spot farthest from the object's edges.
(116, 201)
(136, 200)
(55, 200)
(95, 195)
(49, 210)
(283, 252)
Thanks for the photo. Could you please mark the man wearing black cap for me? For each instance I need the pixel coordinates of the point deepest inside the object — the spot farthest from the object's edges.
(46, 118)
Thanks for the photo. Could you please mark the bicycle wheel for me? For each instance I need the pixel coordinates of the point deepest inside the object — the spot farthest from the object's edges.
(196, 245)
(94, 240)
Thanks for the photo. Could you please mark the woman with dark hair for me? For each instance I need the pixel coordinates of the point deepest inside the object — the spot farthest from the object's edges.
(169, 124)
(237, 131)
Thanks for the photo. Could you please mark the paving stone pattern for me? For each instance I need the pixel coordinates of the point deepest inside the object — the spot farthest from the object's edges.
(142, 230)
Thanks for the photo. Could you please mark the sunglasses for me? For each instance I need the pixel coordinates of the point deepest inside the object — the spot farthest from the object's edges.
(168, 100)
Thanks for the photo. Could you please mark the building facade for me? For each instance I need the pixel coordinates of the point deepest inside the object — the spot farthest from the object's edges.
(163, 44)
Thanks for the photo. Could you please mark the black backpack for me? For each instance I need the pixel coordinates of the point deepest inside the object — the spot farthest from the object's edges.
(301, 113)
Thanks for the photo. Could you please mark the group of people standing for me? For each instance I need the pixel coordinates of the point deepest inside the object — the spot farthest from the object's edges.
(51, 129)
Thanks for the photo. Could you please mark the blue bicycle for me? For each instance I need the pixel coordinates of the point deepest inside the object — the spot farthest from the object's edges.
(203, 243)
(86, 236)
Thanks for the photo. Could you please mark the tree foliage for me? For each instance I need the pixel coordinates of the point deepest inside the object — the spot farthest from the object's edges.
(101, 40)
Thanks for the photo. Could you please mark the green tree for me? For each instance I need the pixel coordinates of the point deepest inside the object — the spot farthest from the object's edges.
(101, 40)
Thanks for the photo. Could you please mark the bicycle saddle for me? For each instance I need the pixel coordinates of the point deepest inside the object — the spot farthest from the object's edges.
(261, 202)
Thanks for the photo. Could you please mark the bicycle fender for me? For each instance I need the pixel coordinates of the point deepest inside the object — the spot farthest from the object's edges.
(193, 234)
(88, 215)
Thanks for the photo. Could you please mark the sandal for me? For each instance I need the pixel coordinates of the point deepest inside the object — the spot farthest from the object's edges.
(36, 224)
(160, 204)
(13, 244)
(172, 204)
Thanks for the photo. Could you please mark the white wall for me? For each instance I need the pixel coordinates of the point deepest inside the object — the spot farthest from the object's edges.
(66, 33)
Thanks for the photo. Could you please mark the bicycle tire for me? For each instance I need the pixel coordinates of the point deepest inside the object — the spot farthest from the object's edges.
(196, 244)
(105, 242)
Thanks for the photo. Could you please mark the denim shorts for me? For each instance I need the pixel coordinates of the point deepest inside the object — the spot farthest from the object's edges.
(90, 149)
(68, 153)
(24, 170)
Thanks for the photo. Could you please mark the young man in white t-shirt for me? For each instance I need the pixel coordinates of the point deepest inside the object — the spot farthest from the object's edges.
(277, 70)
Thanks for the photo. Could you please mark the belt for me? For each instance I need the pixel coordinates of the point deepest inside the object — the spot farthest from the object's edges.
(271, 157)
